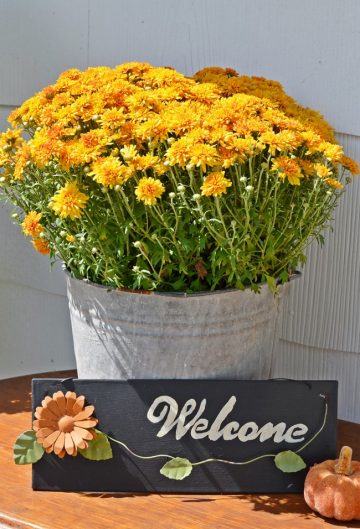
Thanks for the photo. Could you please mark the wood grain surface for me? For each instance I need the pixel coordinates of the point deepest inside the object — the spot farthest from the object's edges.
(22, 508)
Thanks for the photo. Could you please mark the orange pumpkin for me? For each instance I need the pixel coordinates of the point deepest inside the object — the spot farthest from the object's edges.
(332, 488)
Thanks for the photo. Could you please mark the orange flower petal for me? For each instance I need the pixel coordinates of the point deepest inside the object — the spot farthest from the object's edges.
(42, 433)
(69, 445)
(85, 434)
(52, 407)
(89, 423)
(49, 449)
(45, 413)
(79, 442)
(85, 414)
(60, 400)
(70, 401)
(59, 443)
(42, 423)
(62, 453)
(79, 404)
(50, 440)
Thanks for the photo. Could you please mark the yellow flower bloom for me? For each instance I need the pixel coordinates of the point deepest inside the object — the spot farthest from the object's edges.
(70, 238)
(31, 224)
(322, 170)
(288, 168)
(215, 184)
(149, 190)
(110, 172)
(41, 246)
(331, 151)
(69, 201)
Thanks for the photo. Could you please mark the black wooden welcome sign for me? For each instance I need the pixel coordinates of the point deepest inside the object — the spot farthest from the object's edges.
(208, 436)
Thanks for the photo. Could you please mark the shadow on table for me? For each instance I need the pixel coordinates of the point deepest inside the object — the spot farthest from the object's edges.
(16, 392)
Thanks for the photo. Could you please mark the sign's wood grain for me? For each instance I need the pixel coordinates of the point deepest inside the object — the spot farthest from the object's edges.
(197, 419)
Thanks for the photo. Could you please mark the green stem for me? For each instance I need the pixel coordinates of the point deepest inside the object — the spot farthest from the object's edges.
(157, 456)
(215, 460)
(318, 432)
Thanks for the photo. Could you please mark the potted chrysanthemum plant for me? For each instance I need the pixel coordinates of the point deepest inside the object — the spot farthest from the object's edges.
(202, 192)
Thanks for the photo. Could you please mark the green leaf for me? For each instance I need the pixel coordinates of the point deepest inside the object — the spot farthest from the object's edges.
(98, 449)
(26, 449)
(177, 468)
(289, 461)
(271, 281)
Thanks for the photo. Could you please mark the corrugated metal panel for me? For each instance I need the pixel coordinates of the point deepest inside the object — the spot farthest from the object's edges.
(38, 40)
(311, 47)
(323, 309)
(301, 362)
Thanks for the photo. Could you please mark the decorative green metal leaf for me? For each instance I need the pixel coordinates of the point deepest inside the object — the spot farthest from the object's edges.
(98, 449)
(177, 468)
(289, 461)
(26, 449)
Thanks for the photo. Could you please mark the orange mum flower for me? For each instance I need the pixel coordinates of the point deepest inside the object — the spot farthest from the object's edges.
(63, 425)
(31, 224)
(350, 165)
(41, 246)
(289, 168)
(215, 184)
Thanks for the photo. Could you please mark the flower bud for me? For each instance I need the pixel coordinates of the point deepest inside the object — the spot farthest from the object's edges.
(63, 233)
(136, 269)
(137, 244)
(181, 188)
(172, 195)
(196, 196)
(249, 189)
(243, 179)
(94, 250)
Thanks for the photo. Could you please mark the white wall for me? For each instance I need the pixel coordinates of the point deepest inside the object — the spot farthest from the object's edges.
(313, 48)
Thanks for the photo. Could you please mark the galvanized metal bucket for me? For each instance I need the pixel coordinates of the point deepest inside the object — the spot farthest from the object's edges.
(126, 335)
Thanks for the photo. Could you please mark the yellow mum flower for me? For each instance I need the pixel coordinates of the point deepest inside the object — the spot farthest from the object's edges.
(31, 224)
(322, 170)
(149, 190)
(215, 184)
(69, 201)
(110, 172)
(331, 151)
(203, 156)
(288, 168)
(41, 246)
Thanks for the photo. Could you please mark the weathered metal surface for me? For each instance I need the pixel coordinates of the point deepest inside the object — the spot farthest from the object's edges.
(123, 335)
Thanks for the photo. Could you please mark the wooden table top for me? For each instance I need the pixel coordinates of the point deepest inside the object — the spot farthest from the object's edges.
(22, 508)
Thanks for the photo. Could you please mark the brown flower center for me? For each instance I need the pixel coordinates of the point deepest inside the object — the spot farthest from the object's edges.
(66, 424)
